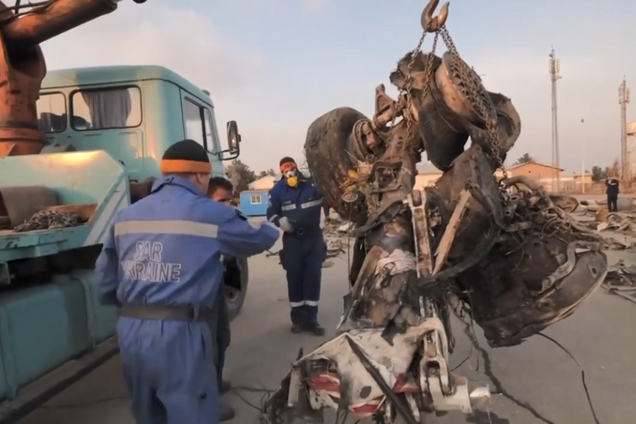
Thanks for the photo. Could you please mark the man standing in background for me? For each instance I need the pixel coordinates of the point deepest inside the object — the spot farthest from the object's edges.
(295, 206)
(220, 189)
(612, 194)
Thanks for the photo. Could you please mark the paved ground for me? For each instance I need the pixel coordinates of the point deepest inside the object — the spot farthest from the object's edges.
(537, 381)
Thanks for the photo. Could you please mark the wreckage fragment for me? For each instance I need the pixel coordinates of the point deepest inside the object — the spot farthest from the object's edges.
(623, 204)
(518, 261)
(621, 281)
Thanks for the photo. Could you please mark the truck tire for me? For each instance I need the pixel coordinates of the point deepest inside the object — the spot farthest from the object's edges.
(236, 275)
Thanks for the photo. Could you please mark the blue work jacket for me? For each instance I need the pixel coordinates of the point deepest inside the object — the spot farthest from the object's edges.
(167, 248)
(301, 205)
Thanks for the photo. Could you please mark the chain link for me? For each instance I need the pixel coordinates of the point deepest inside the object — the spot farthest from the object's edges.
(474, 91)
(428, 74)
(477, 93)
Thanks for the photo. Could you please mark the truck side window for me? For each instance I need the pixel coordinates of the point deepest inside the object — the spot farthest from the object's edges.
(194, 126)
(210, 131)
(117, 107)
(51, 109)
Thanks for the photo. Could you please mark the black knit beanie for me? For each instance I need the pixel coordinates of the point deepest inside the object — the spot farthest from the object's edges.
(185, 157)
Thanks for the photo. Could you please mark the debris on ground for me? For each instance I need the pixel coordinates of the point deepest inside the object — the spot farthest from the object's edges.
(613, 244)
(616, 221)
(336, 232)
(328, 264)
(623, 204)
(621, 281)
(622, 222)
(568, 203)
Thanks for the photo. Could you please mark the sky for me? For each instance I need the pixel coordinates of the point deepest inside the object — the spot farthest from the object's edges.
(276, 65)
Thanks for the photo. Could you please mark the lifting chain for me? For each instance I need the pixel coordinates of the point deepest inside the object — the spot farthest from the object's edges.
(473, 89)
(428, 74)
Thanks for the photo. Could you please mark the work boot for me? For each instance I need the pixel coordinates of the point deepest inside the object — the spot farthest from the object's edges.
(225, 387)
(296, 328)
(315, 329)
(226, 413)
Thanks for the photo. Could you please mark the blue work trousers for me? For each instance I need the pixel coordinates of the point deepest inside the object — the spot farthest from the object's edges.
(169, 371)
(302, 257)
(221, 336)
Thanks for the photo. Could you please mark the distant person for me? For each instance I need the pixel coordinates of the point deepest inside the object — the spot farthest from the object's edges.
(612, 194)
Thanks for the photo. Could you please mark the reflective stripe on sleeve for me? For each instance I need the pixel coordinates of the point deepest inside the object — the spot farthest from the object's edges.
(303, 303)
(288, 207)
(273, 218)
(311, 204)
(186, 228)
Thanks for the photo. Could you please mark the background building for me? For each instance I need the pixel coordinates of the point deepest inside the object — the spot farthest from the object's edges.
(546, 175)
(254, 202)
(264, 183)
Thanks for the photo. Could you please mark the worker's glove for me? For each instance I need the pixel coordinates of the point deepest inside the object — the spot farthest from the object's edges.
(285, 225)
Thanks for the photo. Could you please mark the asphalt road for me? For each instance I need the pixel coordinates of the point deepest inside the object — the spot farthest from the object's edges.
(537, 382)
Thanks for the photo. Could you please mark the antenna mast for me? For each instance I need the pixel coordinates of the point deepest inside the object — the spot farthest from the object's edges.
(555, 75)
(623, 100)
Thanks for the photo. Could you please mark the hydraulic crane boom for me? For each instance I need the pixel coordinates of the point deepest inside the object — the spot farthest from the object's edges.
(23, 67)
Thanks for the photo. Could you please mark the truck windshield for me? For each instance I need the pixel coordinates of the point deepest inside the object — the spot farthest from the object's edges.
(52, 115)
(109, 108)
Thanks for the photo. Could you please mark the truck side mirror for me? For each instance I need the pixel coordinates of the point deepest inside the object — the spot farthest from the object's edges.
(233, 138)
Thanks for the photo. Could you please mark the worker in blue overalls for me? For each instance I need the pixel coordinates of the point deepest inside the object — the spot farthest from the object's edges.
(161, 263)
(295, 206)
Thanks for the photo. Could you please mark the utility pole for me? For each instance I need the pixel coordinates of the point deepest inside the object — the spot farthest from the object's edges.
(583, 159)
(623, 100)
(555, 75)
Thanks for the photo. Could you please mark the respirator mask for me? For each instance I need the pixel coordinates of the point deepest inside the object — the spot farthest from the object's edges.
(290, 173)
(292, 179)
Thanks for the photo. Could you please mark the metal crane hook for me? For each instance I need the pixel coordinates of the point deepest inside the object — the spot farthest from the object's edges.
(432, 23)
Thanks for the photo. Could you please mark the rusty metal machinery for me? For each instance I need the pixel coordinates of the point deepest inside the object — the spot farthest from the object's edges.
(22, 65)
(49, 236)
(514, 259)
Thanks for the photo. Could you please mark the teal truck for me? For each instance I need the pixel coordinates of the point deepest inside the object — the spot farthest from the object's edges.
(106, 130)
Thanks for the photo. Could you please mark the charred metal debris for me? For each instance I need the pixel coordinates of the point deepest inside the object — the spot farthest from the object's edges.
(505, 248)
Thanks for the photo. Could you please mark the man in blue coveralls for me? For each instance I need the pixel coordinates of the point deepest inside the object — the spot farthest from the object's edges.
(162, 265)
(295, 206)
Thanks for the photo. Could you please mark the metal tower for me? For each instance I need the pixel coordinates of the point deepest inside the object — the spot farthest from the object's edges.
(555, 75)
(631, 147)
(623, 100)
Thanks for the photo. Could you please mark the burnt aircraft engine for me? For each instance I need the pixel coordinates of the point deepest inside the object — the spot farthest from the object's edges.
(513, 258)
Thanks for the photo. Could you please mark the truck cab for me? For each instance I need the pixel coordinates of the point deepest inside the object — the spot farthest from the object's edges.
(132, 112)
(135, 113)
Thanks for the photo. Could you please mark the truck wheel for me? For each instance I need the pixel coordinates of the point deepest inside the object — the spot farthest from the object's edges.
(236, 276)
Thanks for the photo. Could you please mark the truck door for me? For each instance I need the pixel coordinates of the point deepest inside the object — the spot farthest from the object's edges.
(109, 119)
(200, 126)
